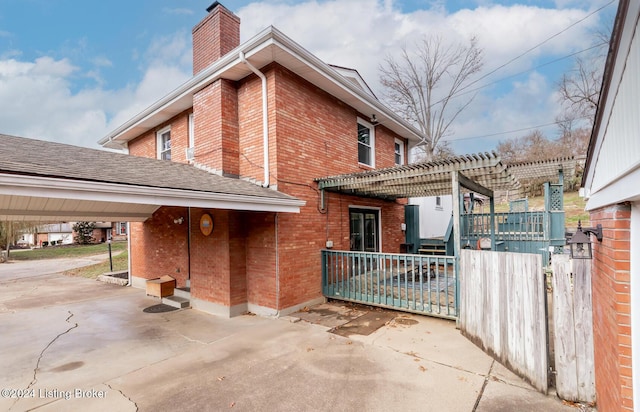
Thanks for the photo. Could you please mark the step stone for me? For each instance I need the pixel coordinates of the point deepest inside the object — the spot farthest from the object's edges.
(176, 302)
(182, 292)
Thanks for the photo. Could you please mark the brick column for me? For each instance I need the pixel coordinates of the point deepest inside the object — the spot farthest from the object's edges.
(215, 116)
(611, 309)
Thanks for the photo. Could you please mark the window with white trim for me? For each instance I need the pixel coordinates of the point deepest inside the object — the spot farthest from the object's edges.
(438, 203)
(192, 139)
(164, 143)
(399, 151)
(190, 150)
(366, 143)
(121, 228)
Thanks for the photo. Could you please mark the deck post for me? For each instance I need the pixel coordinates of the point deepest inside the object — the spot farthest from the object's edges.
(492, 220)
(455, 191)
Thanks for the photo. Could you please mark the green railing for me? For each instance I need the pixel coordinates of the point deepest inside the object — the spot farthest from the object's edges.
(412, 283)
(523, 232)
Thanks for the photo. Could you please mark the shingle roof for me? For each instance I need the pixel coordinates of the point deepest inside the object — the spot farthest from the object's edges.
(24, 156)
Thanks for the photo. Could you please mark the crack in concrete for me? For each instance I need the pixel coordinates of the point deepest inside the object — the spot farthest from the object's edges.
(415, 355)
(35, 370)
(122, 393)
(484, 385)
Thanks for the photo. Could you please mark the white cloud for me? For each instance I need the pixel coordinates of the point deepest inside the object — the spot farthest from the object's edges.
(39, 99)
(360, 33)
(102, 61)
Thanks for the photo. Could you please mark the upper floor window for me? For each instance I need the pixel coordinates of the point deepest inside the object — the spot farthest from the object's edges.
(164, 144)
(399, 151)
(366, 143)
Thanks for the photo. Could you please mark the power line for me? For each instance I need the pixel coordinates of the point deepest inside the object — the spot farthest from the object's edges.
(529, 70)
(524, 129)
(537, 45)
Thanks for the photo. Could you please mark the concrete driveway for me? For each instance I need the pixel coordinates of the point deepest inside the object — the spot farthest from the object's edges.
(77, 344)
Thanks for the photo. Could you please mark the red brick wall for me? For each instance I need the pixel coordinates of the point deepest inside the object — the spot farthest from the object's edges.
(312, 135)
(216, 35)
(261, 258)
(611, 309)
(218, 271)
(159, 246)
(146, 144)
(316, 136)
(251, 157)
(216, 127)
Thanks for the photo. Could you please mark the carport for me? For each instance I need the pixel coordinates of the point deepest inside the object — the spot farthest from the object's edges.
(46, 182)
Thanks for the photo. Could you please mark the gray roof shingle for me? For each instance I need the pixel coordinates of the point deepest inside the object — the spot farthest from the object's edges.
(19, 155)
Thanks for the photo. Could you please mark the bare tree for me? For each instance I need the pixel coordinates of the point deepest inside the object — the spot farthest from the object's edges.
(580, 87)
(422, 82)
(535, 146)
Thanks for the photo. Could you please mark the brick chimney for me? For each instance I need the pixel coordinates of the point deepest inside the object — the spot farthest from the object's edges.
(216, 35)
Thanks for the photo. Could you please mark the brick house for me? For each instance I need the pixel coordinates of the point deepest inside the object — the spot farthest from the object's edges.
(611, 185)
(269, 112)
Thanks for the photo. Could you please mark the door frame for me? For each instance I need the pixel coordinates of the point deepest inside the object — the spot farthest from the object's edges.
(379, 224)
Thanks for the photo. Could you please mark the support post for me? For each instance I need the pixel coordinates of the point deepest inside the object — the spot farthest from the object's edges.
(455, 191)
(492, 220)
(110, 257)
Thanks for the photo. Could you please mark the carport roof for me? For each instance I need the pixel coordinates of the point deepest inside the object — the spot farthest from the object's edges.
(424, 179)
(42, 180)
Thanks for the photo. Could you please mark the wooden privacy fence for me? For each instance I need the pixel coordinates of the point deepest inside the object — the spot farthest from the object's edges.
(573, 329)
(503, 310)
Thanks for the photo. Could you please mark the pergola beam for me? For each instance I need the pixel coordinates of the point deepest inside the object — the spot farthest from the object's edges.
(473, 186)
(483, 173)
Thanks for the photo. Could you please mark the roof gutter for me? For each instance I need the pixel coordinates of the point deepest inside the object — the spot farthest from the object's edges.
(265, 117)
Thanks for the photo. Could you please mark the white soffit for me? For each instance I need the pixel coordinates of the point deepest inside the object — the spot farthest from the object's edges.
(35, 198)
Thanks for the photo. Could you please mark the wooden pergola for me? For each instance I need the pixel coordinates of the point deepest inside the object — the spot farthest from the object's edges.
(547, 169)
(481, 173)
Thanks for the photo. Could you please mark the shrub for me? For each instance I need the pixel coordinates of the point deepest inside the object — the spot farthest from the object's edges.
(84, 232)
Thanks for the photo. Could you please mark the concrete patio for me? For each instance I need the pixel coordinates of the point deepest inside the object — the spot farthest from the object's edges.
(91, 342)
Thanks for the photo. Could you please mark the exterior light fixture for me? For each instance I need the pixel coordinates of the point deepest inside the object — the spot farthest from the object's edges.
(580, 242)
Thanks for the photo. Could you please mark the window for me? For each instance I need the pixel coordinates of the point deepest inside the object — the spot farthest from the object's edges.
(438, 203)
(366, 143)
(192, 139)
(190, 151)
(164, 144)
(399, 151)
(121, 228)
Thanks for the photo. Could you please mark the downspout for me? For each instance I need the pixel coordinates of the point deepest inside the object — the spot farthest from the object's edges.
(277, 271)
(265, 117)
(129, 275)
(189, 247)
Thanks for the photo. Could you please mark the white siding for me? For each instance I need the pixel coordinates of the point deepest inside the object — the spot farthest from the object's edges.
(433, 220)
(620, 153)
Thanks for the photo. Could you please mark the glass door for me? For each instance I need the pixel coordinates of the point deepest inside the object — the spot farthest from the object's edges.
(363, 230)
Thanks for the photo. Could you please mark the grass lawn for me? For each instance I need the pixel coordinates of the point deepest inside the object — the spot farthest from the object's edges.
(53, 252)
(573, 208)
(120, 262)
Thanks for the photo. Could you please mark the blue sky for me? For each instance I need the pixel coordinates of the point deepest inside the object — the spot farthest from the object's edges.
(70, 71)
